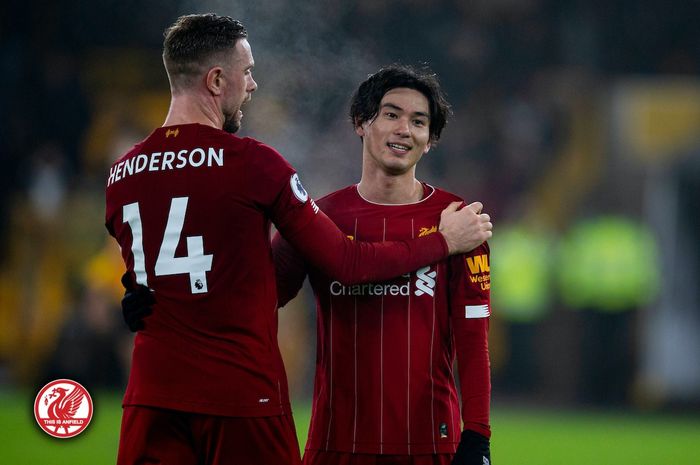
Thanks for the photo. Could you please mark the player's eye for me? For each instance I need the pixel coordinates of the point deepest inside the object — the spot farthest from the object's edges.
(419, 122)
(390, 114)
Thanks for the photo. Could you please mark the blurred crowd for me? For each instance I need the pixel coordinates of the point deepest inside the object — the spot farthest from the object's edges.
(547, 133)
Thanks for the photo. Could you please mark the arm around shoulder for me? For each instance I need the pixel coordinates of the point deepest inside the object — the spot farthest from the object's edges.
(466, 228)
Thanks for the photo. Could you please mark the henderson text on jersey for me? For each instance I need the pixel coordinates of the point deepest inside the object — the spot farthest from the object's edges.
(161, 161)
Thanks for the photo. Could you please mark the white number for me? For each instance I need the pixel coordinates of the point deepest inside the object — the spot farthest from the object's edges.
(196, 264)
(132, 216)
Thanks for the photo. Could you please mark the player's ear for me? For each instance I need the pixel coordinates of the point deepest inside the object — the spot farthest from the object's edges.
(427, 148)
(359, 127)
(215, 80)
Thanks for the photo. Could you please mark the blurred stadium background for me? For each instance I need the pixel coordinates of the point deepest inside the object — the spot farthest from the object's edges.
(576, 122)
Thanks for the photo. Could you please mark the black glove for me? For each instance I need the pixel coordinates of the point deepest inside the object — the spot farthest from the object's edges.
(473, 449)
(137, 303)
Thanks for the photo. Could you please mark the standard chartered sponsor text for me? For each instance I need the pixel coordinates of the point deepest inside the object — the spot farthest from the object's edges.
(162, 161)
(371, 289)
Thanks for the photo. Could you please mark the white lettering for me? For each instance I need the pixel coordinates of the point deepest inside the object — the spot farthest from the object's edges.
(218, 157)
(199, 152)
(112, 173)
(371, 289)
(155, 159)
(119, 171)
(161, 161)
(129, 167)
(336, 288)
(182, 160)
(139, 165)
(168, 158)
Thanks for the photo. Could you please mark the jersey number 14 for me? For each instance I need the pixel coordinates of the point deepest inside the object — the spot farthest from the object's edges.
(196, 264)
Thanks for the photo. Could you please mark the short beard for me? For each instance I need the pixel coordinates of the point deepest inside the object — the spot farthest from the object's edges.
(231, 125)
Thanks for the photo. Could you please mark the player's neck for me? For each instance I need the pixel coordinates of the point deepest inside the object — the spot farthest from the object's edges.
(188, 109)
(378, 187)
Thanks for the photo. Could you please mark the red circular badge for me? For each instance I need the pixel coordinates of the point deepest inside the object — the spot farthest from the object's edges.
(63, 408)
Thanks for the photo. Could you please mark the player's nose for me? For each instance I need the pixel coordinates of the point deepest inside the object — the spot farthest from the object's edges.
(252, 85)
(401, 127)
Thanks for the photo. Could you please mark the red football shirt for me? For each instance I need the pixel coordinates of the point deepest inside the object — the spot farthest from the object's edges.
(191, 208)
(385, 351)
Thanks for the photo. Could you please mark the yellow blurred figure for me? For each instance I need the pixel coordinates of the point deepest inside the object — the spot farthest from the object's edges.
(608, 270)
(609, 264)
(522, 297)
(521, 267)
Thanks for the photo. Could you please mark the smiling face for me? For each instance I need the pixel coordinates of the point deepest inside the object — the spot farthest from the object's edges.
(396, 139)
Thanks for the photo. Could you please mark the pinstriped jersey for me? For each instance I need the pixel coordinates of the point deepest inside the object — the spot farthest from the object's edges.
(384, 380)
(191, 207)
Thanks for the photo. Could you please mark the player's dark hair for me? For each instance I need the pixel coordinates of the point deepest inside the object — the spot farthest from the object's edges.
(365, 101)
(193, 40)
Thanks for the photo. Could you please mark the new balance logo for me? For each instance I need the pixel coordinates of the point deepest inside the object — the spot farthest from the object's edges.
(425, 281)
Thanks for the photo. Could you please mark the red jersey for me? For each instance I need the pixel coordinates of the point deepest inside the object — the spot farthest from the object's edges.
(191, 208)
(385, 351)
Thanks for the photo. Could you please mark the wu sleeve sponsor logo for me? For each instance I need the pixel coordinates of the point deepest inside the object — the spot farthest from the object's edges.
(479, 271)
(478, 264)
(425, 281)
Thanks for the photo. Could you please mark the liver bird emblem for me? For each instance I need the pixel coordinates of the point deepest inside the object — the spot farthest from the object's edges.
(63, 405)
